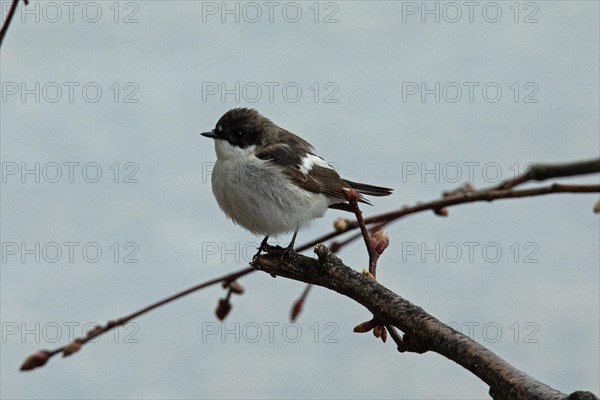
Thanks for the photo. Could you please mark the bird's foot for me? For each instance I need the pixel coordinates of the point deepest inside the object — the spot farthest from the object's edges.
(286, 251)
(282, 252)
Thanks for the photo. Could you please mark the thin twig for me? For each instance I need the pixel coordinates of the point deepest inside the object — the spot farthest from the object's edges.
(34, 360)
(298, 304)
(454, 200)
(485, 195)
(9, 17)
(541, 172)
(395, 336)
(352, 197)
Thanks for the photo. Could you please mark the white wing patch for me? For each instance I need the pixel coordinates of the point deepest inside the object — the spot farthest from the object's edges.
(310, 160)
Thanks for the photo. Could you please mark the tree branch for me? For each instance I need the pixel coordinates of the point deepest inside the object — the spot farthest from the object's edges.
(541, 172)
(422, 332)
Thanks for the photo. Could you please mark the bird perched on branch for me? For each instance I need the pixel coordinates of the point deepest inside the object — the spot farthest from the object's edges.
(269, 181)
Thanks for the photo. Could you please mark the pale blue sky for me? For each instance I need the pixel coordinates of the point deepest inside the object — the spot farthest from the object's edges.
(142, 92)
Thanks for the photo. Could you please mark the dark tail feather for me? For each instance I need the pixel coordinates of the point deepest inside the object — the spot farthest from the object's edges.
(370, 190)
(342, 206)
(363, 188)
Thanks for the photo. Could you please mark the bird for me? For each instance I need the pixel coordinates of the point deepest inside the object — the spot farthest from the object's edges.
(269, 180)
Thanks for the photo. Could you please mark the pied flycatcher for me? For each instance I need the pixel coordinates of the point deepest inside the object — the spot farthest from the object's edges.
(269, 181)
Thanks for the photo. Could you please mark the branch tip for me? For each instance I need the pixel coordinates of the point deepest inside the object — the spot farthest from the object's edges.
(223, 308)
(36, 360)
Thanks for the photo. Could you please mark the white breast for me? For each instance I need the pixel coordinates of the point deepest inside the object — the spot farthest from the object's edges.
(256, 195)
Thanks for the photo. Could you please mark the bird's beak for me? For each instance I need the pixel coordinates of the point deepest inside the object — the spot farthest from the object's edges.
(210, 134)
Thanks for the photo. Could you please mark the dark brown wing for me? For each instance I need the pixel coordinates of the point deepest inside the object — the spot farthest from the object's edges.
(319, 179)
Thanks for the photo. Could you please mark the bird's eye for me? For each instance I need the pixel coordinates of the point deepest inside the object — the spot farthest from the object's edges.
(240, 133)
